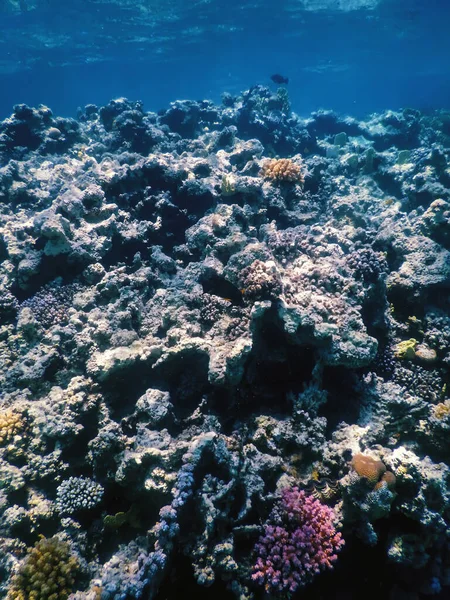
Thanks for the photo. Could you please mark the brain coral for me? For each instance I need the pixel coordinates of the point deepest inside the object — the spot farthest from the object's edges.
(368, 467)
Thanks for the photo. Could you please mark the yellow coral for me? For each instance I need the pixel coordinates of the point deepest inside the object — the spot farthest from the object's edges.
(406, 349)
(11, 424)
(442, 410)
(47, 572)
(228, 187)
(282, 169)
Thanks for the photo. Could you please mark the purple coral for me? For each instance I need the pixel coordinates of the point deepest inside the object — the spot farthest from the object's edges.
(299, 541)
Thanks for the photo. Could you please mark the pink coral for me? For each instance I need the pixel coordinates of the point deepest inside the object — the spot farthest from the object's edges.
(299, 541)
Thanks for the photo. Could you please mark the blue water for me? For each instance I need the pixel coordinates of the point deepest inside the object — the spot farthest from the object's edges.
(387, 54)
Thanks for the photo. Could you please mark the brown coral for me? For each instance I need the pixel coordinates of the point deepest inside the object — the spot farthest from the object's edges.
(283, 169)
(261, 281)
(47, 572)
(368, 467)
(389, 479)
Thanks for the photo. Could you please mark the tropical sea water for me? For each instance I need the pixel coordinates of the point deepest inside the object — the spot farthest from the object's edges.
(355, 56)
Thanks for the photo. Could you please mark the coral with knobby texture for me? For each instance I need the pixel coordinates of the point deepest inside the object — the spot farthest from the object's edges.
(49, 306)
(261, 281)
(11, 424)
(47, 573)
(76, 494)
(299, 541)
(283, 169)
(367, 264)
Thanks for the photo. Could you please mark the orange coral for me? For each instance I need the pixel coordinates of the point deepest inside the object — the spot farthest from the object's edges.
(282, 169)
(368, 467)
(389, 479)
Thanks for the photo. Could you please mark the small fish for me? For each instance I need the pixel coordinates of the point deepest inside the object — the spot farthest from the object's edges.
(279, 79)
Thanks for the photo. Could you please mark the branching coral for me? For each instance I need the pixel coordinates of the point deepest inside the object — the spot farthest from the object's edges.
(47, 573)
(76, 494)
(299, 541)
(283, 169)
(11, 424)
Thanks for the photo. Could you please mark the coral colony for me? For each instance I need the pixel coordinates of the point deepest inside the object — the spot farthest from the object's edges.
(299, 541)
(224, 343)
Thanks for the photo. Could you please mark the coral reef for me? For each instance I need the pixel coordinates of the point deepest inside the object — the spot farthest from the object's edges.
(189, 325)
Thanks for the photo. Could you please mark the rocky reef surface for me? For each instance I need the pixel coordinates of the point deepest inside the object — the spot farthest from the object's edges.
(203, 307)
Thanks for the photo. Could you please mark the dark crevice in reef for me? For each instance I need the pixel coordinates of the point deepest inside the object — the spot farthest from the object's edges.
(77, 450)
(405, 305)
(180, 583)
(194, 202)
(342, 401)
(360, 568)
(25, 531)
(53, 369)
(184, 376)
(124, 515)
(122, 251)
(218, 286)
(274, 368)
(389, 185)
(3, 249)
(124, 387)
(373, 313)
(50, 268)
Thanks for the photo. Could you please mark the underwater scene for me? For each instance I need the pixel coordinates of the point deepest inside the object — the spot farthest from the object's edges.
(225, 300)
